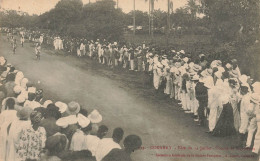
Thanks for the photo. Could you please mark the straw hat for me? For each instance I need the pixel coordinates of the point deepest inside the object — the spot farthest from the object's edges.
(46, 103)
(17, 89)
(24, 113)
(83, 121)
(73, 108)
(31, 90)
(195, 77)
(95, 117)
(20, 99)
(62, 106)
(196, 67)
(255, 97)
(243, 78)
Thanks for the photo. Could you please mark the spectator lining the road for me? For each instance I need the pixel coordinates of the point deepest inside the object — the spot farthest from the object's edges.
(197, 85)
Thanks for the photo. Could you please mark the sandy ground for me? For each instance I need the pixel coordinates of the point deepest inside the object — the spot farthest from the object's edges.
(125, 99)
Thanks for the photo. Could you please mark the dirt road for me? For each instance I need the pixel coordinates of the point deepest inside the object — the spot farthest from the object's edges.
(125, 99)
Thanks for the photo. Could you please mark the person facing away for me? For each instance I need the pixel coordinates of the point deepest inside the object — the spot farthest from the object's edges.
(107, 144)
(131, 143)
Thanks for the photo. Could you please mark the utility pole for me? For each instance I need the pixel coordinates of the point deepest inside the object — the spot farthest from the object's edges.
(149, 15)
(168, 22)
(134, 18)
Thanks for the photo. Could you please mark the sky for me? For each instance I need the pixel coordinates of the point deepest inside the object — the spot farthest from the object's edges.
(41, 6)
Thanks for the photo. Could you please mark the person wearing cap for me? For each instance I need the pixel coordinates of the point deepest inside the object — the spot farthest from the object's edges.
(203, 62)
(73, 108)
(6, 117)
(131, 143)
(14, 130)
(32, 139)
(95, 118)
(107, 144)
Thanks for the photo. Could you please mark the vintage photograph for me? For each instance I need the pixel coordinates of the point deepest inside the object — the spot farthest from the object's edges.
(129, 80)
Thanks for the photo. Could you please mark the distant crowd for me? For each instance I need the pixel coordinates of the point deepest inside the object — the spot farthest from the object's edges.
(33, 128)
(214, 92)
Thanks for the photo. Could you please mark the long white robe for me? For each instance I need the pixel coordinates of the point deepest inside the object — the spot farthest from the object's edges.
(13, 138)
(6, 117)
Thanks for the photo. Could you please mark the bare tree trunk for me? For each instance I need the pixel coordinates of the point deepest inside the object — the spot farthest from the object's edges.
(117, 4)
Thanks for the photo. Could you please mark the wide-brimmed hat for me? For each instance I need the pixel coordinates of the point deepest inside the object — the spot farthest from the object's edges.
(256, 87)
(221, 69)
(182, 52)
(46, 103)
(186, 59)
(218, 74)
(196, 67)
(83, 121)
(243, 78)
(164, 56)
(73, 108)
(255, 97)
(31, 90)
(20, 99)
(62, 106)
(95, 116)
(195, 77)
(201, 55)
(24, 113)
(228, 66)
(17, 89)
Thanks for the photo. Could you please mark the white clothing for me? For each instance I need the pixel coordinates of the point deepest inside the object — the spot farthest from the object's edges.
(13, 138)
(104, 147)
(245, 102)
(6, 117)
(78, 141)
(92, 142)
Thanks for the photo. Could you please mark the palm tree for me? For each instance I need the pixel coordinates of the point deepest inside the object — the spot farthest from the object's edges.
(193, 7)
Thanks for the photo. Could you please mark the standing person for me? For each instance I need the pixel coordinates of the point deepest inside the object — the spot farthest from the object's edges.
(32, 139)
(6, 117)
(245, 101)
(22, 40)
(14, 46)
(131, 143)
(15, 129)
(201, 93)
(38, 51)
(107, 144)
(131, 58)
